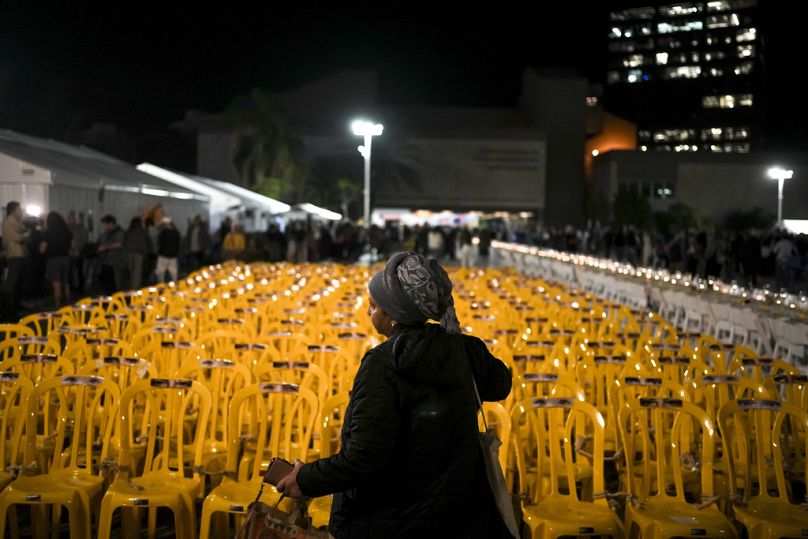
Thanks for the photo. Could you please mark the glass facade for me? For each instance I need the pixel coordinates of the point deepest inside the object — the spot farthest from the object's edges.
(699, 62)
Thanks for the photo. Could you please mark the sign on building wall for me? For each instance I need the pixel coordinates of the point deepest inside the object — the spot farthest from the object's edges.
(465, 174)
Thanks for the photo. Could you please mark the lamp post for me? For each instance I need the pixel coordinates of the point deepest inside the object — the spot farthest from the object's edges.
(368, 130)
(781, 175)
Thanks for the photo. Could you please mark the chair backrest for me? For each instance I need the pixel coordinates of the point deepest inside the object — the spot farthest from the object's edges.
(42, 323)
(224, 378)
(332, 414)
(167, 405)
(12, 349)
(169, 356)
(561, 432)
(280, 417)
(14, 391)
(76, 414)
(92, 349)
(497, 418)
(39, 367)
(761, 438)
(659, 435)
(302, 373)
(122, 370)
(12, 331)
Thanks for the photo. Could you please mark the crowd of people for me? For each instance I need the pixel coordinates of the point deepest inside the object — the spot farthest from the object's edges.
(750, 257)
(46, 262)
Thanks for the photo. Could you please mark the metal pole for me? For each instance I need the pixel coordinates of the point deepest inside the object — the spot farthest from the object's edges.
(368, 139)
(780, 182)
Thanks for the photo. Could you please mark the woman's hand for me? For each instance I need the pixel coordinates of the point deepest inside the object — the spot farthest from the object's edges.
(288, 485)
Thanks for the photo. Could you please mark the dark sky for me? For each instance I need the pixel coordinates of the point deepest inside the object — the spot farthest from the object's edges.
(63, 65)
(66, 64)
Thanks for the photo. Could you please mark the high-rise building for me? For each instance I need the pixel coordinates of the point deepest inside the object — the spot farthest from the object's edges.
(689, 74)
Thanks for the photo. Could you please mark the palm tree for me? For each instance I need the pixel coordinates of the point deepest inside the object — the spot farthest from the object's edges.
(266, 153)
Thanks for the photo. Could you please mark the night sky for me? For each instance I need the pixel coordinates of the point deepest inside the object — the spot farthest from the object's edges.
(63, 66)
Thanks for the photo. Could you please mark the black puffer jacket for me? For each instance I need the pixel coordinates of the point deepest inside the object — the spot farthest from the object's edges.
(410, 463)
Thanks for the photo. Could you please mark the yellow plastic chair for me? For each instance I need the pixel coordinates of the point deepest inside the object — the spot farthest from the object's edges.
(169, 356)
(39, 367)
(760, 493)
(656, 504)
(553, 507)
(302, 373)
(166, 480)
(224, 378)
(44, 323)
(12, 331)
(280, 418)
(82, 409)
(330, 424)
(13, 349)
(94, 349)
(14, 391)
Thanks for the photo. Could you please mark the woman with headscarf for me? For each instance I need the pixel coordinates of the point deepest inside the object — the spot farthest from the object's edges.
(410, 464)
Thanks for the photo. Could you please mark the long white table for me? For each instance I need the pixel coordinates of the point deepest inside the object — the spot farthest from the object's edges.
(723, 316)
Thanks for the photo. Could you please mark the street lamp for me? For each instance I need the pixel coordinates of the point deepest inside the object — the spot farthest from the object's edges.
(368, 130)
(781, 175)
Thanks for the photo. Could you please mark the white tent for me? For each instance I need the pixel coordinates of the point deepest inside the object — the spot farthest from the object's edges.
(47, 175)
(255, 211)
(300, 211)
(221, 202)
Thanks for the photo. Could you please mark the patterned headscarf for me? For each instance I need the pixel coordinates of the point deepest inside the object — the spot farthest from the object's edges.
(412, 289)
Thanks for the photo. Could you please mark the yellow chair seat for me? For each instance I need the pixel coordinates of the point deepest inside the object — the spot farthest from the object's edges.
(156, 485)
(556, 516)
(773, 518)
(55, 485)
(668, 517)
(5, 479)
(320, 511)
(235, 496)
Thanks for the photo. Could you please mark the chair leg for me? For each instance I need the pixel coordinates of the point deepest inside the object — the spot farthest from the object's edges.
(130, 522)
(39, 520)
(105, 519)
(13, 523)
(152, 517)
(206, 521)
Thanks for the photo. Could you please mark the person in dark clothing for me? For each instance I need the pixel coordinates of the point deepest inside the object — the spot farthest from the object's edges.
(34, 274)
(197, 242)
(56, 245)
(110, 255)
(168, 251)
(137, 247)
(410, 464)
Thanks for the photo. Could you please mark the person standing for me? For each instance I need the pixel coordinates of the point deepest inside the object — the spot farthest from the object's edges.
(80, 240)
(137, 247)
(235, 243)
(56, 247)
(197, 241)
(14, 237)
(465, 248)
(168, 250)
(110, 255)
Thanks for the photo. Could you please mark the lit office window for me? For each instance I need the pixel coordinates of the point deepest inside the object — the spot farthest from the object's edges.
(661, 58)
(615, 32)
(714, 55)
(724, 20)
(663, 190)
(635, 60)
(644, 134)
(744, 68)
(632, 14)
(683, 72)
(668, 28)
(710, 102)
(727, 102)
(746, 51)
(715, 72)
(748, 34)
(592, 101)
(712, 133)
(715, 148)
(613, 77)
(677, 10)
(635, 75)
(727, 5)
(673, 135)
(742, 148)
(746, 100)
